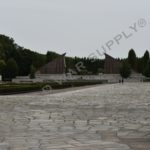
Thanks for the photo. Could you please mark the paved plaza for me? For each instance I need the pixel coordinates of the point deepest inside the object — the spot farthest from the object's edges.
(105, 117)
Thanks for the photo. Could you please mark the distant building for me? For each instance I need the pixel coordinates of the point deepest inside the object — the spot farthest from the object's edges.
(112, 65)
(57, 66)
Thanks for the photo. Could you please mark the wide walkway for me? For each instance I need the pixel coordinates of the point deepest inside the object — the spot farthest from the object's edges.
(106, 117)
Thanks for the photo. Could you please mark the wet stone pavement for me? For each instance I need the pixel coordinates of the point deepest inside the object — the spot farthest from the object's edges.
(106, 117)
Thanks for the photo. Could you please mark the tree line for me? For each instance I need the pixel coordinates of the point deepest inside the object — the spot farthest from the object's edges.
(19, 61)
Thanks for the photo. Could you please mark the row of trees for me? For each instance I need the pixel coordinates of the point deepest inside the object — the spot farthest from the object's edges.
(16, 60)
(135, 64)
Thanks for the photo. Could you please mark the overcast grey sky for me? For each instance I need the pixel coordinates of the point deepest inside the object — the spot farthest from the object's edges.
(78, 27)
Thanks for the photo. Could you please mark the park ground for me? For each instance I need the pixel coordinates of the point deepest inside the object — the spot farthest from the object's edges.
(104, 117)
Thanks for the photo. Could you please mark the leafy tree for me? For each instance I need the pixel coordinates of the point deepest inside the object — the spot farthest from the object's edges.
(146, 58)
(132, 59)
(125, 70)
(38, 60)
(50, 56)
(11, 69)
(147, 70)
(140, 65)
(2, 54)
(7, 47)
(24, 57)
(2, 66)
(32, 72)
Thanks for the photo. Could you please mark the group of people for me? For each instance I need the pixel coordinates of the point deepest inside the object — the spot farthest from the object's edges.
(121, 81)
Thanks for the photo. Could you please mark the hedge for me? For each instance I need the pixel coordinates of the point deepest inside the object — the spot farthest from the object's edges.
(13, 88)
